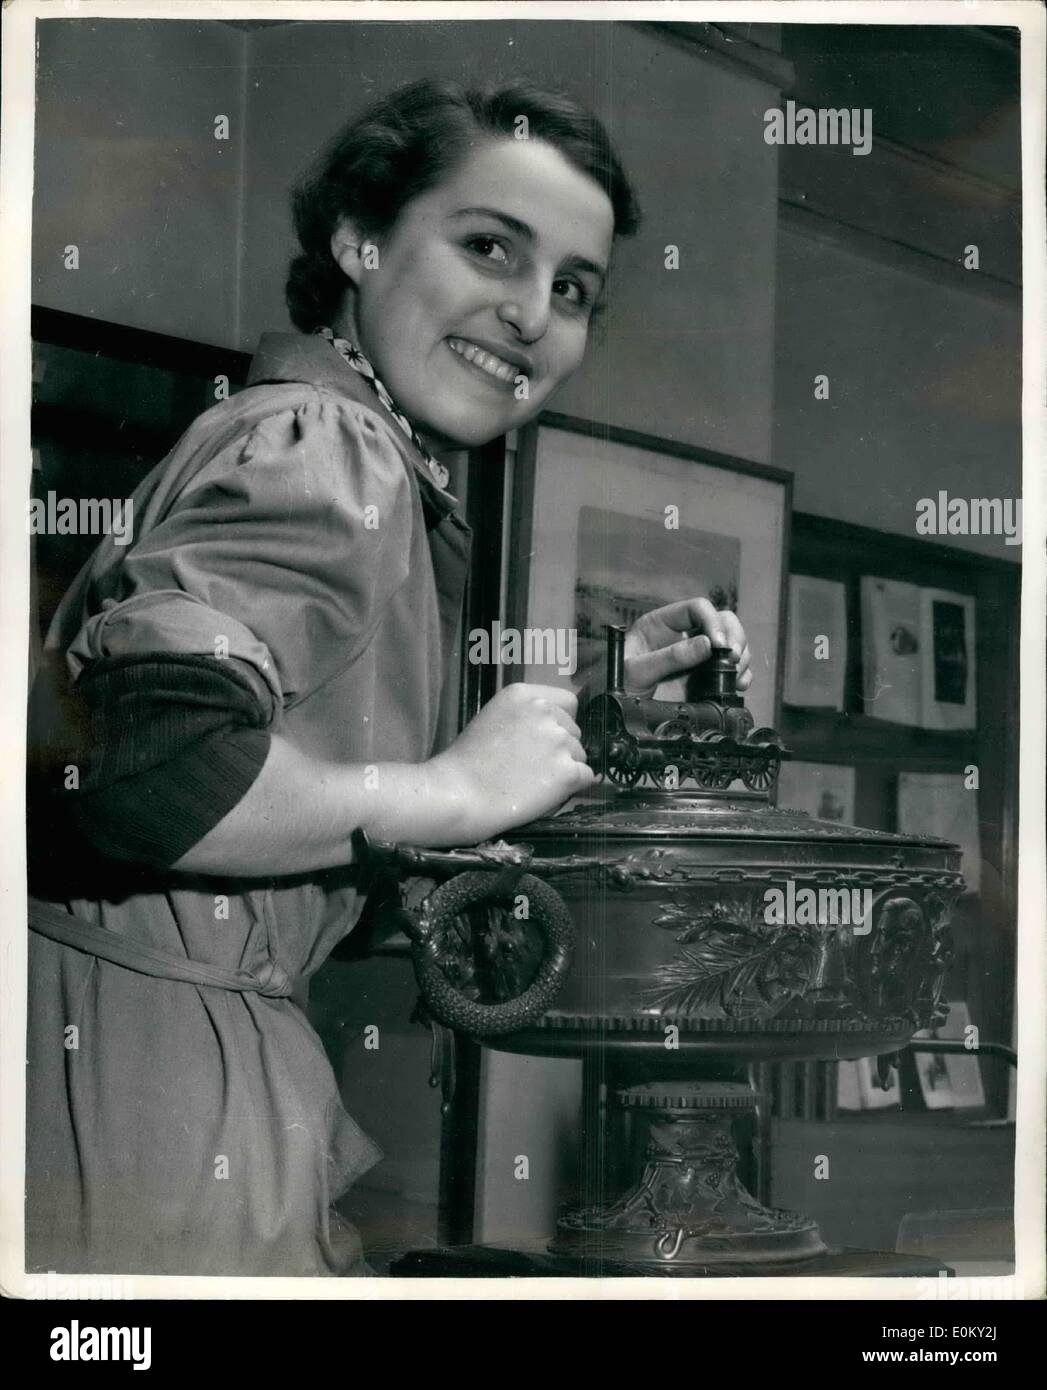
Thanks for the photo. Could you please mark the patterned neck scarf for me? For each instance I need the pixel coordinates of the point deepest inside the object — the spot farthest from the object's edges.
(359, 363)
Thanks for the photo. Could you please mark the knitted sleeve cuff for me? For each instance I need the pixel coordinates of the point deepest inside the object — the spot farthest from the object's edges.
(175, 744)
(157, 816)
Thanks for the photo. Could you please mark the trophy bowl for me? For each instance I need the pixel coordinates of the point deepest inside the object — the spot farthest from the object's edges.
(678, 926)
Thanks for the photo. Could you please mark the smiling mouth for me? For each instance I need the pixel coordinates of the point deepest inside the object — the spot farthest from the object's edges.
(496, 369)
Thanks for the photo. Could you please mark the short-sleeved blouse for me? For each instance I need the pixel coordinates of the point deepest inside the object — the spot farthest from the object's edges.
(195, 1129)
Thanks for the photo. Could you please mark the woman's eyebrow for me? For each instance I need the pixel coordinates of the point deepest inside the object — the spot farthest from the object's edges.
(527, 232)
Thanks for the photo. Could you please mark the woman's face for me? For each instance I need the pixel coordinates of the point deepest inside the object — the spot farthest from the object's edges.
(486, 279)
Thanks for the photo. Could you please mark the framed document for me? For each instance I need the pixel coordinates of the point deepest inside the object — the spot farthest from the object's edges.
(816, 643)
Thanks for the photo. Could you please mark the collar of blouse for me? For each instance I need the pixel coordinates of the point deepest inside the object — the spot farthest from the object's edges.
(297, 357)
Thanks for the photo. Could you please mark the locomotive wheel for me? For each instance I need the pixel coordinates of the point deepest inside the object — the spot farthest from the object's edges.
(713, 778)
(623, 776)
(709, 777)
(763, 773)
(762, 776)
(672, 730)
(600, 743)
(602, 728)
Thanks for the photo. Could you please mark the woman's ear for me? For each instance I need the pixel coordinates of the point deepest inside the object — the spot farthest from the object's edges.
(347, 245)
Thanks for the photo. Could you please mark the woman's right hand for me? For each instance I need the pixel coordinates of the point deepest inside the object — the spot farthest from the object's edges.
(520, 758)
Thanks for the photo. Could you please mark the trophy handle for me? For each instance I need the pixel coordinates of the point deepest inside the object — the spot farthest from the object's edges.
(434, 924)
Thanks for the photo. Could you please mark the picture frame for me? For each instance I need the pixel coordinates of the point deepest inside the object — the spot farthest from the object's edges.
(919, 663)
(858, 1089)
(574, 562)
(932, 1072)
(814, 677)
(950, 1080)
(948, 650)
(891, 650)
(942, 804)
(826, 791)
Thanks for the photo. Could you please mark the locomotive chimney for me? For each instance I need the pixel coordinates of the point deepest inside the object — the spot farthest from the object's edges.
(716, 678)
(615, 658)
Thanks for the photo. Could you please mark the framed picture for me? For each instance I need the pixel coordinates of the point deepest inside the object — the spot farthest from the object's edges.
(935, 1083)
(816, 638)
(952, 1079)
(891, 654)
(824, 790)
(918, 654)
(948, 678)
(858, 1088)
(608, 524)
(943, 805)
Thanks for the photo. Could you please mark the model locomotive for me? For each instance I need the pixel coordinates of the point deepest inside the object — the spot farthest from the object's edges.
(710, 738)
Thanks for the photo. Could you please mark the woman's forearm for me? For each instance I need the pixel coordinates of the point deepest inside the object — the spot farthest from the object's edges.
(299, 813)
(518, 759)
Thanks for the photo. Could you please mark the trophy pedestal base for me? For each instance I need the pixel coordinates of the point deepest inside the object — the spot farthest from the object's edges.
(536, 1262)
(688, 1208)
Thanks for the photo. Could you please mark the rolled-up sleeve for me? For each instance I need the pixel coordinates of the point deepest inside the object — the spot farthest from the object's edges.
(263, 580)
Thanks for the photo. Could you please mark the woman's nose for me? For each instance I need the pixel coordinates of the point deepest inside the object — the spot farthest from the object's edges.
(527, 313)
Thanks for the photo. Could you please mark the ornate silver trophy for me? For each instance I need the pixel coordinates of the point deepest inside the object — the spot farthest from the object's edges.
(681, 927)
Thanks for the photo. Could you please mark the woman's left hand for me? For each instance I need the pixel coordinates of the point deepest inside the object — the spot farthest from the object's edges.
(658, 649)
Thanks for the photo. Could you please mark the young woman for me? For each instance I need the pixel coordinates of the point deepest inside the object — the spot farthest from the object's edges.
(260, 672)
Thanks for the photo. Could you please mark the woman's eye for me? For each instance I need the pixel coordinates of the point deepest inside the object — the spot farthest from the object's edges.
(573, 292)
(486, 245)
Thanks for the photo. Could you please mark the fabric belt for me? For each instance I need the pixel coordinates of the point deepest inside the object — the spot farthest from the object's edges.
(273, 981)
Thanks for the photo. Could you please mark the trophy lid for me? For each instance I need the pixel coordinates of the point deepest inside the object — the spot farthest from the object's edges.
(686, 814)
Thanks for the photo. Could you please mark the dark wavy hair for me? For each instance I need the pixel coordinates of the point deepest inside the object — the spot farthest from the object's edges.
(404, 145)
